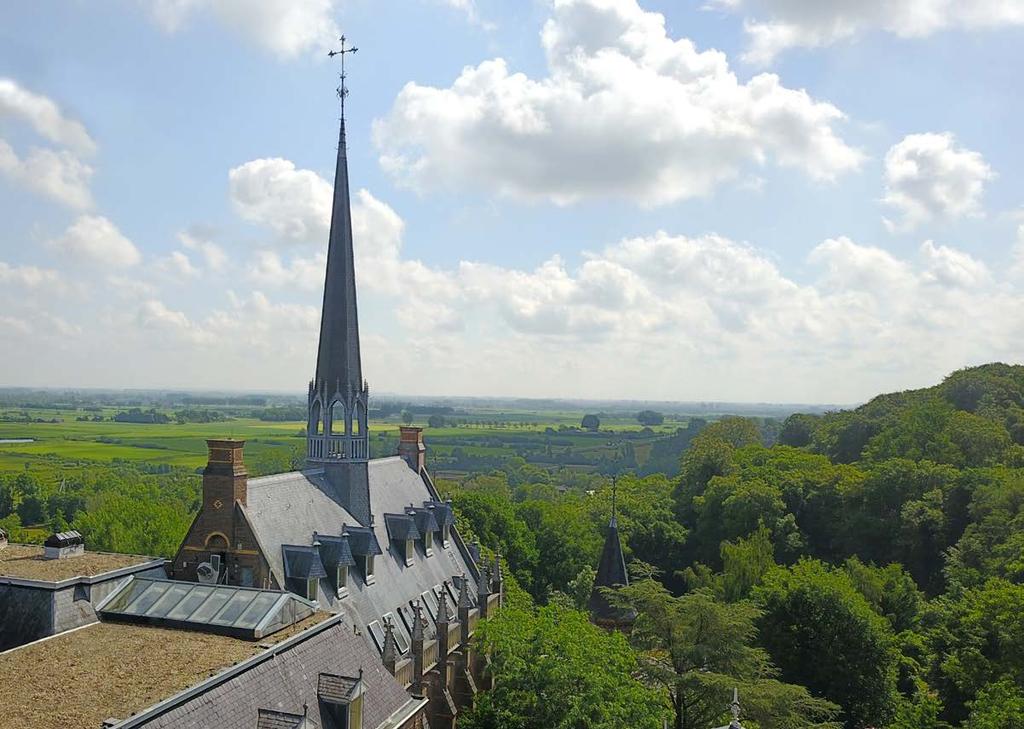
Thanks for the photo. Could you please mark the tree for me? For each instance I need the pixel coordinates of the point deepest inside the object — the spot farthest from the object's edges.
(798, 430)
(823, 634)
(436, 421)
(650, 417)
(697, 649)
(591, 423)
(977, 640)
(406, 417)
(553, 669)
(998, 706)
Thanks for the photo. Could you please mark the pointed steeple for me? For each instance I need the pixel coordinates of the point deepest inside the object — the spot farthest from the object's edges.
(338, 362)
(611, 573)
(337, 432)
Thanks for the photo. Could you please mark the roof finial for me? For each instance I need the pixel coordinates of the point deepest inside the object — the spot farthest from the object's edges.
(615, 486)
(342, 90)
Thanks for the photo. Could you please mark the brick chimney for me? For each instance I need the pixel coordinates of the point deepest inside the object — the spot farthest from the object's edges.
(225, 479)
(411, 448)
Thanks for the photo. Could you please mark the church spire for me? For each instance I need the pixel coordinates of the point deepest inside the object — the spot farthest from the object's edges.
(611, 573)
(338, 363)
(337, 432)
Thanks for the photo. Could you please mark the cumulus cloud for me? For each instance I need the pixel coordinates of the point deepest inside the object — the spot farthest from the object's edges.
(774, 26)
(44, 116)
(927, 177)
(177, 265)
(625, 111)
(631, 314)
(27, 276)
(295, 204)
(213, 255)
(58, 175)
(286, 28)
(94, 240)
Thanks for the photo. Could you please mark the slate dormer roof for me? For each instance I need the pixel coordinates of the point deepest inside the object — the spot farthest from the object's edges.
(302, 563)
(335, 551)
(442, 511)
(425, 520)
(362, 541)
(338, 689)
(401, 527)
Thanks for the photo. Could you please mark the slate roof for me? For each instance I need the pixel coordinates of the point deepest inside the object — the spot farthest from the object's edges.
(337, 361)
(288, 508)
(338, 689)
(335, 551)
(442, 511)
(424, 518)
(401, 527)
(269, 719)
(362, 541)
(302, 562)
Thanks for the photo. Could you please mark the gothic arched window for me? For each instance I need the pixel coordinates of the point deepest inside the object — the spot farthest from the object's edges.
(338, 418)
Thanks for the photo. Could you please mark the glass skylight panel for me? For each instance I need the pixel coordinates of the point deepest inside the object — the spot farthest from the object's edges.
(147, 598)
(208, 609)
(170, 599)
(234, 608)
(128, 594)
(256, 610)
(184, 609)
(244, 612)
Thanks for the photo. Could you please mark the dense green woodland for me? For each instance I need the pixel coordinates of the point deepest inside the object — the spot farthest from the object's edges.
(865, 570)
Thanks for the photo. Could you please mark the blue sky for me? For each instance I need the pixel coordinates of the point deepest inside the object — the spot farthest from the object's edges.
(771, 200)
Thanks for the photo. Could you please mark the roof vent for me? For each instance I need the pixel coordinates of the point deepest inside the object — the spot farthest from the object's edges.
(62, 545)
(208, 573)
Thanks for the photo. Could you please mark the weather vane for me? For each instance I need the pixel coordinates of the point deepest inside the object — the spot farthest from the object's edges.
(342, 90)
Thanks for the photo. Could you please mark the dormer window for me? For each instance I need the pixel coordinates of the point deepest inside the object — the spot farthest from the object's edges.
(341, 580)
(364, 547)
(311, 585)
(341, 700)
(410, 552)
(445, 529)
(428, 543)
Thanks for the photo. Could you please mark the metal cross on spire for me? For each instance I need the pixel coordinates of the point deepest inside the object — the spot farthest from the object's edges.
(342, 90)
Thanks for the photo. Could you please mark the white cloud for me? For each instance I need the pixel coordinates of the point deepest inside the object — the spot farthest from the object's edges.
(95, 240)
(28, 276)
(59, 175)
(286, 28)
(295, 204)
(928, 178)
(213, 255)
(177, 265)
(625, 111)
(44, 116)
(774, 26)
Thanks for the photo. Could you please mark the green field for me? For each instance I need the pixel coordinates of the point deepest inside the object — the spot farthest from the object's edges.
(478, 440)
